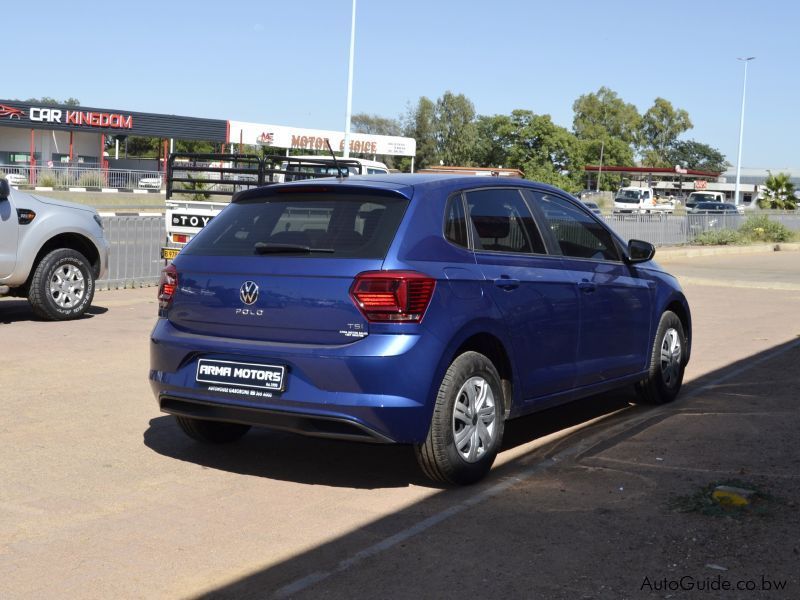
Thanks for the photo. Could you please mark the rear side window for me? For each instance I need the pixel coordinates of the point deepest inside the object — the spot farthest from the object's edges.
(297, 224)
(502, 222)
(576, 233)
(455, 225)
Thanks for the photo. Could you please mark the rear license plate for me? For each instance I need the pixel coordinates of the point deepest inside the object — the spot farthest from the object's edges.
(169, 253)
(238, 374)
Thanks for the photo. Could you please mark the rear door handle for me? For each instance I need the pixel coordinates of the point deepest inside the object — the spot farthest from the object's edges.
(587, 287)
(506, 283)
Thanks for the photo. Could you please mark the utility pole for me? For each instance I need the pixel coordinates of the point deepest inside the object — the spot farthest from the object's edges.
(741, 132)
(348, 112)
(600, 170)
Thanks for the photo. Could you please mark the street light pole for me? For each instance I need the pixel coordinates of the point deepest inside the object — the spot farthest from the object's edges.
(600, 170)
(348, 112)
(741, 131)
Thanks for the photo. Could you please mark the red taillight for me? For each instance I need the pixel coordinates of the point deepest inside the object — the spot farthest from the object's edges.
(167, 285)
(393, 296)
(180, 238)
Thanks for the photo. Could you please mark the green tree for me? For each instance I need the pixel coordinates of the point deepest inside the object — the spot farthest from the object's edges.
(607, 127)
(779, 192)
(143, 147)
(661, 125)
(195, 189)
(694, 155)
(49, 100)
(524, 140)
(195, 146)
(375, 124)
(603, 115)
(494, 138)
(454, 129)
(419, 125)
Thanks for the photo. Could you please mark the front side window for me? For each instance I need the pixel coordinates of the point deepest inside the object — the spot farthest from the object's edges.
(502, 222)
(576, 233)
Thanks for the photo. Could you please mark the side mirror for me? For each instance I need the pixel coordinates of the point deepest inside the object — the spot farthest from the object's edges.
(5, 189)
(640, 251)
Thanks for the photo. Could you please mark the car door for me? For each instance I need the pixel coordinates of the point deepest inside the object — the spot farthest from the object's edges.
(538, 301)
(9, 226)
(615, 303)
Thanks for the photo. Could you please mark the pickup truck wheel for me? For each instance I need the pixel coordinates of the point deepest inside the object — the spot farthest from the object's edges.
(667, 363)
(62, 286)
(467, 425)
(213, 432)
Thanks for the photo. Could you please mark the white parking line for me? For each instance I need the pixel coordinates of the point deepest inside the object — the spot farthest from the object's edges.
(580, 447)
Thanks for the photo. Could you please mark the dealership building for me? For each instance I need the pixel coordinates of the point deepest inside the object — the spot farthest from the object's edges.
(48, 135)
(34, 137)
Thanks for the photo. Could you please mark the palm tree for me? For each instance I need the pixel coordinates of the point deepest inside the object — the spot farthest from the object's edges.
(779, 192)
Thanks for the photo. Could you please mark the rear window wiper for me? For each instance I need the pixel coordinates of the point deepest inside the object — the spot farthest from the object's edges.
(267, 248)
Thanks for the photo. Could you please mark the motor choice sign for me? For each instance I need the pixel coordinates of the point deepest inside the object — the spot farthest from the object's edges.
(316, 142)
(280, 136)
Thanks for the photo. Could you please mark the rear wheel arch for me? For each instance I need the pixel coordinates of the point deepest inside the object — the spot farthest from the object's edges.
(492, 348)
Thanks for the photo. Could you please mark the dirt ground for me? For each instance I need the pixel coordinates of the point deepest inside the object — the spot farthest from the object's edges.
(102, 497)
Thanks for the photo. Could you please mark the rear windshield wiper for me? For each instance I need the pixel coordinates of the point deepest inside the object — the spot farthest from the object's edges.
(266, 248)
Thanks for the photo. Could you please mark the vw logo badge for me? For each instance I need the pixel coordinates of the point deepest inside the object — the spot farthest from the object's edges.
(248, 293)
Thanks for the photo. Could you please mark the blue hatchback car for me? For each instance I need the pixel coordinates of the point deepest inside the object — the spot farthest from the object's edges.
(411, 309)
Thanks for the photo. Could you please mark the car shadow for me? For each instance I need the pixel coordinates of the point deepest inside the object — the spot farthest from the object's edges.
(315, 461)
(527, 530)
(18, 310)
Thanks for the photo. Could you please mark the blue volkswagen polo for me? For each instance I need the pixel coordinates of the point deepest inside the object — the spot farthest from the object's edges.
(411, 309)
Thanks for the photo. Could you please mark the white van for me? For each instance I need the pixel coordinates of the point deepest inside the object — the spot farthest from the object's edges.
(641, 200)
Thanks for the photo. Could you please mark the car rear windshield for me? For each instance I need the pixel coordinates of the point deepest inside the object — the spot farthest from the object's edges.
(337, 225)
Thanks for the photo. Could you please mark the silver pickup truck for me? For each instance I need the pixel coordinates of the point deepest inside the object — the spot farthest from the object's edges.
(51, 252)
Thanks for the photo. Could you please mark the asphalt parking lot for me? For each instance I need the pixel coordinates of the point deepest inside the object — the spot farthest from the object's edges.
(102, 496)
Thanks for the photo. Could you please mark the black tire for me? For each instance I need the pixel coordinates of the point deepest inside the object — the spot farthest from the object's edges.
(211, 432)
(660, 387)
(64, 304)
(438, 456)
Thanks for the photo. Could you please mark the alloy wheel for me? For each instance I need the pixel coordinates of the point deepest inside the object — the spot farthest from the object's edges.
(67, 286)
(474, 426)
(670, 358)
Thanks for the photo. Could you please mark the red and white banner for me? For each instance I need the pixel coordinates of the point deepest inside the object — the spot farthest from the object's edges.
(280, 136)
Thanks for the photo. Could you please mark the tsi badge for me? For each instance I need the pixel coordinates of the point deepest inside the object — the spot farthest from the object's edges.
(248, 294)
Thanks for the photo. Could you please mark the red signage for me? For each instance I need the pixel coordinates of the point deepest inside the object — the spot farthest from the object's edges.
(311, 142)
(10, 112)
(81, 118)
(94, 119)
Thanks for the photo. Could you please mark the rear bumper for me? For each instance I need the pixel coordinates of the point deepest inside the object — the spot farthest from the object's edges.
(305, 424)
(379, 388)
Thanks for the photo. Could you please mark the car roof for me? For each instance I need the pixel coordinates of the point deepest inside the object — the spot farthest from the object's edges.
(405, 184)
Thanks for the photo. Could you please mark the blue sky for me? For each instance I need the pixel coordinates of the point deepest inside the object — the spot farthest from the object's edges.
(286, 62)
